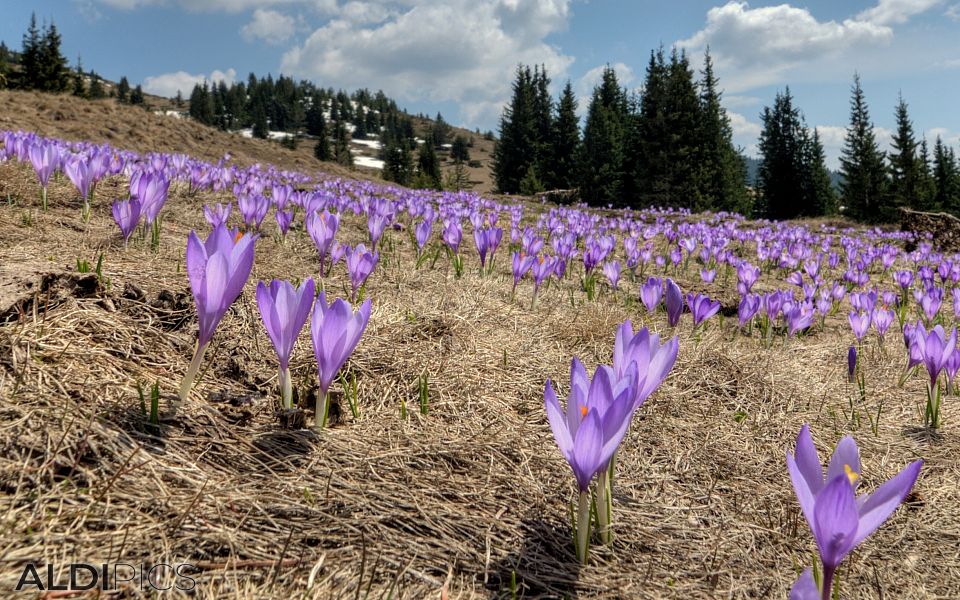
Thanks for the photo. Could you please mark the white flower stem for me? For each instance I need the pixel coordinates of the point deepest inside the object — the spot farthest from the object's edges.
(604, 505)
(187, 384)
(286, 388)
(583, 527)
(320, 418)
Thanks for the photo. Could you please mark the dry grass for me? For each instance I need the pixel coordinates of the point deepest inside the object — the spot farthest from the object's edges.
(458, 503)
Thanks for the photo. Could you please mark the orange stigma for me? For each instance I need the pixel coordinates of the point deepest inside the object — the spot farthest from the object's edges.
(852, 475)
(237, 237)
(583, 411)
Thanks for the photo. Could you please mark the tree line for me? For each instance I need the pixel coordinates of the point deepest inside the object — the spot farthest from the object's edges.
(669, 146)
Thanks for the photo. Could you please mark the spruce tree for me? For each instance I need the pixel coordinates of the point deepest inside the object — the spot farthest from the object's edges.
(601, 161)
(819, 188)
(722, 168)
(261, 128)
(783, 175)
(904, 163)
(566, 141)
(136, 96)
(96, 91)
(460, 151)
(684, 125)
(123, 90)
(649, 138)
(946, 176)
(543, 124)
(178, 101)
(322, 148)
(864, 187)
(31, 57)
(341, 145)
(927, 188)
(428, 166)
(79, 86)
(516, 147)
(440, 131)
(397, 161)
(54, 73)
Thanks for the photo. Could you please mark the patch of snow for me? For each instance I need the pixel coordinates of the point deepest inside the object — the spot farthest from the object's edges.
(375, 144)
(368, 161)
(169, 113)
(273, 135)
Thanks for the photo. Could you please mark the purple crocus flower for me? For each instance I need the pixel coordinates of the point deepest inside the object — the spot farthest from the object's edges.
(930, 302)
(597, 415)
(673, 299)
(79, 173)
(747, 309)
(612, 270)
(360, 264)
(851, 363)
(217, 214)
(335, 330)
(805, 587)
(217, 268)
(151, 190)
(708, 275)
(934, 348)
(322, 227)
(422, 234)
(284, 311)
(452, 235)
(651, 292)
(799, 317)
(284, 219)
(487, 240)
(127, 215)
(45, 158)
(838, 518)
(859, 323)
(903, 279)
(653, 359)
(521, 264)
(702, 307)
(253, 208)
(882, 319)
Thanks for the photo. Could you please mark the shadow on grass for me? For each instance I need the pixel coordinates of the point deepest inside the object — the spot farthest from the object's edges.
(544, 566)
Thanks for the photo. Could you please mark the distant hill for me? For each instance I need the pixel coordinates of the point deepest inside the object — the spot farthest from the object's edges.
(753, 166)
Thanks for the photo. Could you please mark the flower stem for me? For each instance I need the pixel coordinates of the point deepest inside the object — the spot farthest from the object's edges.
(187, 383)
(286, 388)
(605, 504)
(583, 527)
(828, 572)
(320, 419)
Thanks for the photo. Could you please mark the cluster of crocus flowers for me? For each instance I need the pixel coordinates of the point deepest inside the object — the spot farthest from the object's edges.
(597, 415)
(839, 518)
(218, 268)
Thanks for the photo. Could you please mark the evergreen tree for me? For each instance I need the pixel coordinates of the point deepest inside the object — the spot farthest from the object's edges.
(684, 125)
(818, 190)
(904, 163)
(397, 161)
(261, 128)
(602, 153)
(784, 173)
(530, 185)
(316, 124)
(543, 122)
(178, 101)
(460, 150)
(96, 91)
(864, 186)
(428, 166)
(458, 179)
(926, 187)
(566, 142)
(322, 148)
(31, 57)
(136, 96)
(648, 138)
(515, 149)
(341, 145)
(123, 90)
(54, 73)
(79, 86)
(722, 168)
(946, 176)
(360, 125)
(440, 131)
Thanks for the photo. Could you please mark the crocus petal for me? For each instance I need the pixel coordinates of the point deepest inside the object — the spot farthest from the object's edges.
(835, 521)
(805, 588)
(880, 504)
(587, 449)
(557, 422)
(846, 455)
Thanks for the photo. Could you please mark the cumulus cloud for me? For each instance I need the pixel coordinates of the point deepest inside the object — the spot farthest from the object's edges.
(231, 6)
(953, 12)
(270, 26)
(895, 12)
(759, 46)
(463, 51)
(168, 84)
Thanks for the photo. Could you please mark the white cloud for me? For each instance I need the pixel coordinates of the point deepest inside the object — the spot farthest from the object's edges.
(953, 12)
(270, 26)
(168, 84)
(743, 126)
(463, 51)
(231, 6)
(753, 47)
(735, 101)
(951, 63)
(895, 12)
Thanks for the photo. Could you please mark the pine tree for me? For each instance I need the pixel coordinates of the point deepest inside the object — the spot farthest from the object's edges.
(543, 123)
(648, 138)
(136, 96)
(261, 129)
(722, 168)
(123, 90)
(458, 179)
(31, 57)
(178, 101)
(818, 190)
(316, 123)
(440, 131)
(515, 149)
(322, 148)
(79, 86)
(946, 176)
(397, 161)
(684, 125)
(54, 73)
(864, 187)
(428, 166)
(96, 91)
(784, 173)
(904, 163)
(566, 141)
(927, 187)
(601, 161)
(460, 150)
(341, 145)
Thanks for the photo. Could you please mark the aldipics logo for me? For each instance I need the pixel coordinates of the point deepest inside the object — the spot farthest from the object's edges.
(161, 577)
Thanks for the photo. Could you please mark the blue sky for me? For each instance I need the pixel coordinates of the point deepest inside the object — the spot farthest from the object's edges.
(458, 56)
